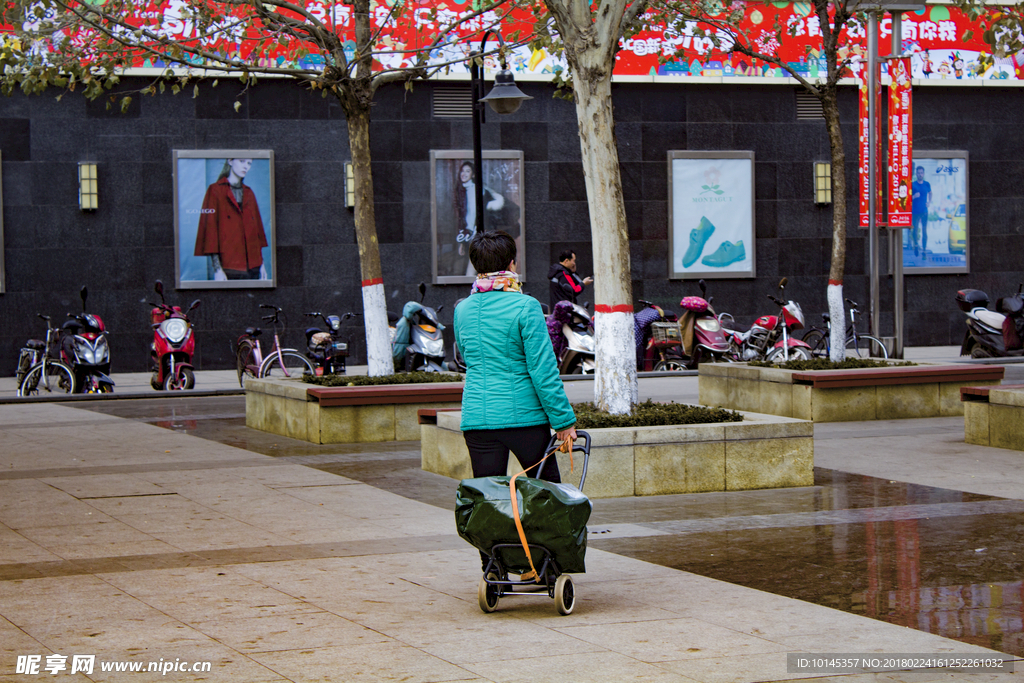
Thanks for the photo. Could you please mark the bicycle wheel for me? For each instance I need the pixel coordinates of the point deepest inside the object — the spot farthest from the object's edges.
(245, 361)
(818, 341)
(296, 364)
(866, 347)
(58, 379)
(795, 353)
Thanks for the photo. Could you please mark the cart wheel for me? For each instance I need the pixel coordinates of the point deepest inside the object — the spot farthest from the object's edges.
(487, 594)
(565, 594)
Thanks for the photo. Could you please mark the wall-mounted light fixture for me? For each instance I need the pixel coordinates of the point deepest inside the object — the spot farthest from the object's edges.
(88, 195)
(350, 185)
(822, 183)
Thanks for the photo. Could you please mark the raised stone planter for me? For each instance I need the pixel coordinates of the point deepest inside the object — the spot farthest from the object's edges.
(994, 416)
(763, 451)
(292, 408)
(890, 393)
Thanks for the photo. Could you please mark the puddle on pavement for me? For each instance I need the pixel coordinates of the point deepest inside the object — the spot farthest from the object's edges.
(946, 562)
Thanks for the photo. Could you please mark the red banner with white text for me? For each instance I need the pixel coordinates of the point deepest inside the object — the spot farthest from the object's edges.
(901, 144)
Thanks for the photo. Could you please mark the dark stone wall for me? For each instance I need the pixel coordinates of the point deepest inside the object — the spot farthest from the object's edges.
(52, 248)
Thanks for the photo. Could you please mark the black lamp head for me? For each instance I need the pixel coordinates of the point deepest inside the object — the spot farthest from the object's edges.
(505, 97)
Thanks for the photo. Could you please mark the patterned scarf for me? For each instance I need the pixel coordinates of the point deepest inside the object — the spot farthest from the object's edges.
(502, 280)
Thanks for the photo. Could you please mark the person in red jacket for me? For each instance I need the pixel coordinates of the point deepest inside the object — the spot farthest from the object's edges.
(230, 228)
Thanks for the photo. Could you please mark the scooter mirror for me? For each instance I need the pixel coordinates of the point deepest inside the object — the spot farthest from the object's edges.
(586, 305)
(703, 286)
(423, 291)
(783, 282)
(159, 287)
(85, 295)
(195, 304)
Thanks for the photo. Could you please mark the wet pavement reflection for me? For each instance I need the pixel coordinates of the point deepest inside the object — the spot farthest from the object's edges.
(936, 560)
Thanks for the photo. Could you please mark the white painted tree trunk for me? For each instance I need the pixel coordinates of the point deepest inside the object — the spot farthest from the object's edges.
(378, 338)
(615, 386)
(375, 315)
(837, 338)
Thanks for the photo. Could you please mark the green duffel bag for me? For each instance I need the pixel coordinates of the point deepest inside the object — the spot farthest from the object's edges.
(553, 516)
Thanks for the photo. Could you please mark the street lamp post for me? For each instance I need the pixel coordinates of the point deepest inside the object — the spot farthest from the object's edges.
(504, 98)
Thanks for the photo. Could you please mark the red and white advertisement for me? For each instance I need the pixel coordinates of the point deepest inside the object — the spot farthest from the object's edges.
(944, 42)
(863, 148)
(901, 144)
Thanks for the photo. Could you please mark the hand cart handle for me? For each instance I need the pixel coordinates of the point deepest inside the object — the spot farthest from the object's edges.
(553, 443)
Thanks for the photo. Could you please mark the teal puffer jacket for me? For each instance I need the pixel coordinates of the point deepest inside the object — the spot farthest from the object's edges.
(511, 373)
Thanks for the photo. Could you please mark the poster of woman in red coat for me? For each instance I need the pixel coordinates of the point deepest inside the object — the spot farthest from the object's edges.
(224, 218)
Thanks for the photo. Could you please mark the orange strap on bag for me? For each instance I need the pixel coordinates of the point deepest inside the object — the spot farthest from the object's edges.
(564, 447)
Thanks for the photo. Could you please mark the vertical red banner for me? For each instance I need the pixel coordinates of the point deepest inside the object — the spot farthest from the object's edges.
(901, 147)
(863, 133)
(863, 148)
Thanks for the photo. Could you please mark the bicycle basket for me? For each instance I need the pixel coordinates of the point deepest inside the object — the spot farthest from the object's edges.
(665, 334)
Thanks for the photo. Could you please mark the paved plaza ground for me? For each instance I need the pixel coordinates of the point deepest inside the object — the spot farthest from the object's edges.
(163, 530)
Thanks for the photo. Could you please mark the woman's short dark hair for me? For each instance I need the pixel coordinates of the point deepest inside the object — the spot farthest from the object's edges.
(492, 251)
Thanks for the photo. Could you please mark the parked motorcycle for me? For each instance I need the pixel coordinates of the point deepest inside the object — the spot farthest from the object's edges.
(457, 363)
(85, 350)
(170, 353)
(992, 334)
(703, 338)
(571, 328)
(417, 342)
(769, 339)
(658, 339)
(327, 349)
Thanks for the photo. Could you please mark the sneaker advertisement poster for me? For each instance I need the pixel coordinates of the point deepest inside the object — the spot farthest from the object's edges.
(711, 210)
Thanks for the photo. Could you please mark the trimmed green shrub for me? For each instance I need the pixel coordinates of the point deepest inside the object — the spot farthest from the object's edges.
(365, 381)
(651, 414)
(826, 364)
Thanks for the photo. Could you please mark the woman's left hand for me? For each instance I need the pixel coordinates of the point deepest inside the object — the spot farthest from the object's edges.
(565, 434)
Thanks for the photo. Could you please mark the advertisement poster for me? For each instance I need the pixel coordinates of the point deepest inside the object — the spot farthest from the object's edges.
(901, 145)
(711, 214)
(936, 241)
(453, 208)
(863, 148)
(224, 219)
(945, 42)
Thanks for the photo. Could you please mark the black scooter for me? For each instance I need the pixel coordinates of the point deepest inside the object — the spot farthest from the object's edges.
(992, 334)
(327, 349)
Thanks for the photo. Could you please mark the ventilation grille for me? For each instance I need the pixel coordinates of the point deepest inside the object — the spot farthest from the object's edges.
(453, 102)
(808, 107)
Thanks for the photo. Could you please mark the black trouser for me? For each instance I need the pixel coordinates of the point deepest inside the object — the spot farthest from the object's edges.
(251, 274)
(488, 451)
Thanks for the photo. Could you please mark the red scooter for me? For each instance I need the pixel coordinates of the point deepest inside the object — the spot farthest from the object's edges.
(703, 338)
(173, 345)
(769, 339)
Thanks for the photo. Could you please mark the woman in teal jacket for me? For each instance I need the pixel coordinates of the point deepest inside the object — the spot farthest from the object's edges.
(513, 395)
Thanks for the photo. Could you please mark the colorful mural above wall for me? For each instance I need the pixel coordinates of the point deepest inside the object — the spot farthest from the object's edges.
(945, 43)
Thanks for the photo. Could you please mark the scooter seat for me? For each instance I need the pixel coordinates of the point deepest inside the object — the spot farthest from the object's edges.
(1010, 305)
(990, 318)
(35, 344)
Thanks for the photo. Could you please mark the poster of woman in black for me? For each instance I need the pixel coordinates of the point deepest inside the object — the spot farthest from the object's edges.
(231, 230)
(454, 209)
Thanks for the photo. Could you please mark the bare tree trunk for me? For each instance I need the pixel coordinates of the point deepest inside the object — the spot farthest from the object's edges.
(375, 316)
(615, 386)
(590, 36)
(836, 311)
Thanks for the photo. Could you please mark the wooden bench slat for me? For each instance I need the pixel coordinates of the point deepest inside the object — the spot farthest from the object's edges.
(981, 393)
(428, 416)
(833, 379)
(441, 392)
